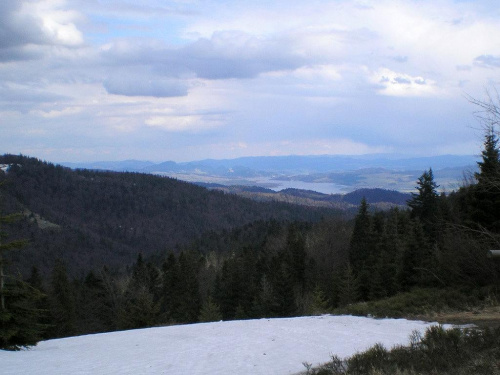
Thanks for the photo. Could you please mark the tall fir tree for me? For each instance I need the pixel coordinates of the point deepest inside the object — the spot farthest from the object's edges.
(284, 294)
(21, 322)
(140, 308)
(348, 288)
(489, 167)
(486, 193)
(188, 301)
(210, 311)
(361, 244)
(20, 315)
(94, 310)
(296, 255)
(319, 303)
(425, 204)
(416, 262)
(62, 303)
(169, 291)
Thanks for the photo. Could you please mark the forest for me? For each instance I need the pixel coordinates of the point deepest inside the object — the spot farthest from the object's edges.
(85, 251)
(89, 219)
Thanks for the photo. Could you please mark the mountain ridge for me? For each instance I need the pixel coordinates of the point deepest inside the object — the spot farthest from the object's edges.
(310, 163)
(323, 173)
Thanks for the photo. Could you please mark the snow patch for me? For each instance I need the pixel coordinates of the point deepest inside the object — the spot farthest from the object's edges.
(264, 346)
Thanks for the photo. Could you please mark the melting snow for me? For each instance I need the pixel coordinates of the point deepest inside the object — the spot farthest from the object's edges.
(264, 346)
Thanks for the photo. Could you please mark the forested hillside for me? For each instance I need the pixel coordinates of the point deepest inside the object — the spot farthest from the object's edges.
(89, 219)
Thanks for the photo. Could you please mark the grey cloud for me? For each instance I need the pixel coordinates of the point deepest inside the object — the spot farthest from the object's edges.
(402, 80)
(24, 99)
(226, 55)
(400, 59)
(211, 61)
(122, 9)
(18, 54)
(487, 61)
(420, 81)
(145, 86)
(20, 30)
(16, 30)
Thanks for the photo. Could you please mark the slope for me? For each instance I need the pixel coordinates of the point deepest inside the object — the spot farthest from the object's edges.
(265, 346)
(107, 218)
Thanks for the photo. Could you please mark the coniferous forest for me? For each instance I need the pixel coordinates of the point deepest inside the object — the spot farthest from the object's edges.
(85, 251)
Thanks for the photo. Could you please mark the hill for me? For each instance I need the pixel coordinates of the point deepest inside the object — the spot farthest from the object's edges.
(89, 218)
(378, 198)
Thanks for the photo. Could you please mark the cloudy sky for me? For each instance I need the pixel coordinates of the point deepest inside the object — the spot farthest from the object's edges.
(87, 80)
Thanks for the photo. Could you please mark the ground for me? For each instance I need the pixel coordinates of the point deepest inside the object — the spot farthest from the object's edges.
(482, 317)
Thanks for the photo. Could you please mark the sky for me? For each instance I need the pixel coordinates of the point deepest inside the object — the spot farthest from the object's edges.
(182, 80)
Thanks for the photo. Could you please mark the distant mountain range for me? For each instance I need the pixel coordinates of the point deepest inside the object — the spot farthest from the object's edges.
(285, 164)
(325, 173)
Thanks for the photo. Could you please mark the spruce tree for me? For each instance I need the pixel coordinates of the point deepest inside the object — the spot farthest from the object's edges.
(489, 167)
(390, 252)
(284, 293)
(19, 314)
(377, 286)
(188, 301)
(62, 303)
(361, 245)
(486, 193)
(265, 303)
(319, 302)
(21, 320)
(296, 255)
(210, 311)
(417, 267)
(170, 277)
(140, 308)
(348, 288)
(424, 203)
(94, 313)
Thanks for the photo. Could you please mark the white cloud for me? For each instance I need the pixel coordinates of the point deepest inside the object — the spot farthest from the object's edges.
(186, 123)
(400, 84)
(318, 72)
(53, 113)
(56, 22)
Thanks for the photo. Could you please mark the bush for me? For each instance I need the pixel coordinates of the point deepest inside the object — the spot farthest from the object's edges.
(439, 351)
(416, 302)
(377, 357)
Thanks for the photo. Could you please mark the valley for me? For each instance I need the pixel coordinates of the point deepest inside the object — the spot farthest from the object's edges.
(328, 174)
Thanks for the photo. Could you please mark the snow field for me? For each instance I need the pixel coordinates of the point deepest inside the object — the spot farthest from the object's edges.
(264, 346)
